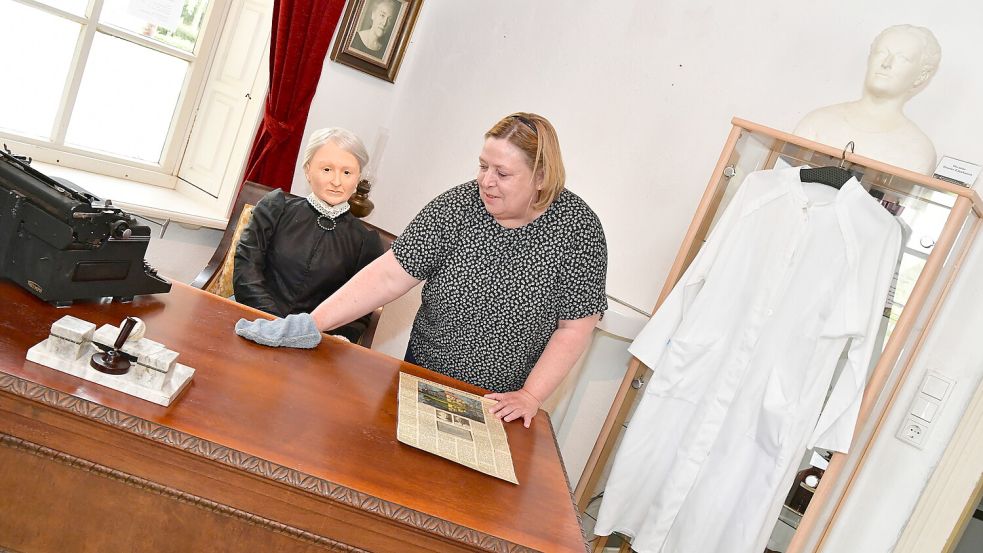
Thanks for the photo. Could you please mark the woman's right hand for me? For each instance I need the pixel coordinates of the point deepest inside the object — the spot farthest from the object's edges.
(514, 405)
(294, 331)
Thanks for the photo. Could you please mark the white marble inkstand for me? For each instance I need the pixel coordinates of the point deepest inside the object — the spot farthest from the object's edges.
(154, 376)
(70, 338)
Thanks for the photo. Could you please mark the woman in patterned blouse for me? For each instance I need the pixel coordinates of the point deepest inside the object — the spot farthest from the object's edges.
(514, 267)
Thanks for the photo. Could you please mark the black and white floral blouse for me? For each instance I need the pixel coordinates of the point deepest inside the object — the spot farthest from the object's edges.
(493, 296)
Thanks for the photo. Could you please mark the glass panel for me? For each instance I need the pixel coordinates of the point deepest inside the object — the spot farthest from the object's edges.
(922, 213)
(76, 7)
(126, 100)
(173, 22)
(38, 74)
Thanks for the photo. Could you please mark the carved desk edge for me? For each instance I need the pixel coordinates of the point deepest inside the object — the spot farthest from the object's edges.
(142, 483)
(566, 478)
(251, 464)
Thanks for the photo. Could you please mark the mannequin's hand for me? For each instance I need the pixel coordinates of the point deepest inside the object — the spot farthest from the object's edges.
(514, 405)
(294, 331)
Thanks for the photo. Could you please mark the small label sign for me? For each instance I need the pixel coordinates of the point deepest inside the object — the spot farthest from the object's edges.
(957, 171)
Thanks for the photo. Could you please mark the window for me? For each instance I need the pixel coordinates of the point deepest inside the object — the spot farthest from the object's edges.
(105, 82)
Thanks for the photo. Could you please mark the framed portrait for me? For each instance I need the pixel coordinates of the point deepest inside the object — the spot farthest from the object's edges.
(374, 34)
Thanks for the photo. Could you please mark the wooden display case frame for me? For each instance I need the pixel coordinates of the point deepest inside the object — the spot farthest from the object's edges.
(895, 361)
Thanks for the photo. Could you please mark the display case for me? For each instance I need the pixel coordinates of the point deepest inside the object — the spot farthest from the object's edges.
(939, 221)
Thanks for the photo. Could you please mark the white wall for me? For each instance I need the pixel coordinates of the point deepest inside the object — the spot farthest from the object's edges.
(642, 93)
(889, 486)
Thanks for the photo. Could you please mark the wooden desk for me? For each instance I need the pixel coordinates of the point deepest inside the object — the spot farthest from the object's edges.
(266, 450)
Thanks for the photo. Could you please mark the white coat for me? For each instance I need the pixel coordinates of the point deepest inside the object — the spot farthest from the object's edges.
(743, 351)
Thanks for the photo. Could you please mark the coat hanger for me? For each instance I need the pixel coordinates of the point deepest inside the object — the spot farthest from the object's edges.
(830, 176)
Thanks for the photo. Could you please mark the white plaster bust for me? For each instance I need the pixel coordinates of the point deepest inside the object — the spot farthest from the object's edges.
(902, 60)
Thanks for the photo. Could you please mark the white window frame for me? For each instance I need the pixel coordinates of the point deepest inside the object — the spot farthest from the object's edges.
(56, 152)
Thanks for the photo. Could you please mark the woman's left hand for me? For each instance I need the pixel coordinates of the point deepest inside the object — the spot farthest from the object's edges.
(514, 405)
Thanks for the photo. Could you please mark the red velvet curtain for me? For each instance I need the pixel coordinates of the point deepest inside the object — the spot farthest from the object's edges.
(302, 31)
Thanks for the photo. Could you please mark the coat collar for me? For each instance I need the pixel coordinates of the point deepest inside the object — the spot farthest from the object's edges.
(852, 204)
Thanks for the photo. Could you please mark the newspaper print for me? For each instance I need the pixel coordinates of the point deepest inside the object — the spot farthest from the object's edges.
(453, 424)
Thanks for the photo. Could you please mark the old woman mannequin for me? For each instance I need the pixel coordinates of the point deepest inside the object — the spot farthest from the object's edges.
(902, 60)
(296, 252)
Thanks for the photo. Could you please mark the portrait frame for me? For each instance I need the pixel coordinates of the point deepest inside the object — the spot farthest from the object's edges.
(373, 35)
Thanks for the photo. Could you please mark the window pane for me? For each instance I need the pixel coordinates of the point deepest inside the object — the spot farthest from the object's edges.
(76, 7)
(173, 22)
(126, 100)
(34, 77)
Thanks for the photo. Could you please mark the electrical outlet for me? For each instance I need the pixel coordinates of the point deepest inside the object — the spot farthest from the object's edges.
(913, 431)
(925, 408)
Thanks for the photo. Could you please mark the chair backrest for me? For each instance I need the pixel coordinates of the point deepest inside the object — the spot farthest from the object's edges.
(216, 277)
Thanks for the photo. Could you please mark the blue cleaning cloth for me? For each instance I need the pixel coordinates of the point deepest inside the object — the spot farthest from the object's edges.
(294, 331)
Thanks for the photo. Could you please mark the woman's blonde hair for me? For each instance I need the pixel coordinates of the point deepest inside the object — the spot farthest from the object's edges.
(536, 138)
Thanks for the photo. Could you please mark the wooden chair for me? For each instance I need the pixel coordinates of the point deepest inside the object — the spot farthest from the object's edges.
(216, 277)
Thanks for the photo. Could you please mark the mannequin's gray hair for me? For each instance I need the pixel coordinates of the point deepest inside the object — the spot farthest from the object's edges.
(343, 138)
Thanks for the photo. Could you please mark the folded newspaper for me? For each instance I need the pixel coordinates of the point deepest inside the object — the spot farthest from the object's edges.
(453, 424)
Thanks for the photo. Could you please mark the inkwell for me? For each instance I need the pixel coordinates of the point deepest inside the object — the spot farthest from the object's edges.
(112, 360)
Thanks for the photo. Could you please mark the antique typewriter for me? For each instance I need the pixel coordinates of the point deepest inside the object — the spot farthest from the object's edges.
(64, 244)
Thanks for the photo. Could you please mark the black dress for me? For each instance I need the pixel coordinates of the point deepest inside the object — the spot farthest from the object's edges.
(286, 263)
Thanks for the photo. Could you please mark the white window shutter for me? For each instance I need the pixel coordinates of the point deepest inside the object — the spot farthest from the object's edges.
(232, 102)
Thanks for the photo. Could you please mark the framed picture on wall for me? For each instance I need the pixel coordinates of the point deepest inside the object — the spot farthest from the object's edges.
(374, 34)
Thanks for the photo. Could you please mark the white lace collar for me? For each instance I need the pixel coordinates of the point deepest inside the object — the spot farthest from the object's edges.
(329, 212)
(333, 211)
